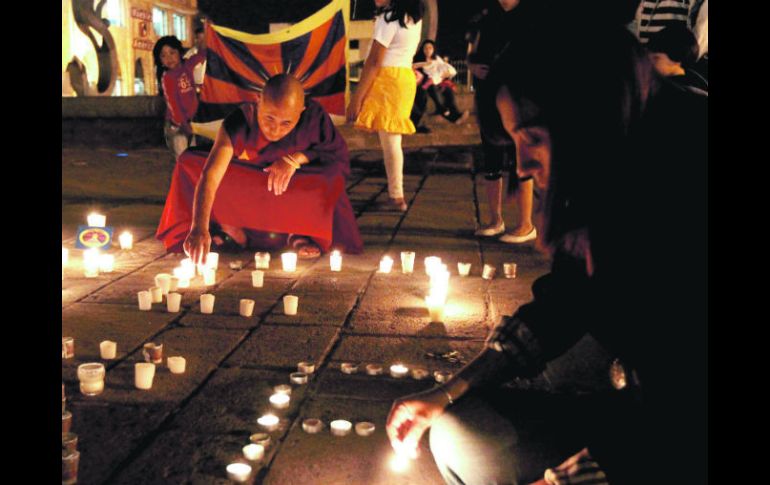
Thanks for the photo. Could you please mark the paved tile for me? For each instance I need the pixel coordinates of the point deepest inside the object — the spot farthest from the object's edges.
(282, 347)
(333, 382)
(316, 308)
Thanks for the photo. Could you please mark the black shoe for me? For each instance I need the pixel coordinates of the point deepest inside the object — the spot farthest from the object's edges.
(423, 129)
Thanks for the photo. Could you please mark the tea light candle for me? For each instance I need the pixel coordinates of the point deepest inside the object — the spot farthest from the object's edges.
(126, 240)
(298, 378)
(290, 304)
(407, 262)
(335, 261)
(257, 278)
(91, 377)
(238, 472)
(306, 367)
(280, 401)
(67, 347)
(463, 269)
(373, 369)
(253, 452)
(209, 276)
(207, 303)
(188, 267)
(246, 307)
(212, 261)
(282, 389)
(91, 262)
(364, 428)
(156, 293)
(108, 349)
(435, 306)
(183, 279)
(348, 368)
(432, 263)
(386, 264)
(65, 256)
(163, 281)
(509, 269)
(398, 370)
(144, 372)
(442, 376)
(289, 261)
(489, 272)
(340, 427)
(262, 439)
(176, 364)
(262, 260)
(312, 425)
(145, 300)
(96, 220)
(419, 373)
(269, 421)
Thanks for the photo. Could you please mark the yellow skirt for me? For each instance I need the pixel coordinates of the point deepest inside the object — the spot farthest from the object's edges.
(388, 103)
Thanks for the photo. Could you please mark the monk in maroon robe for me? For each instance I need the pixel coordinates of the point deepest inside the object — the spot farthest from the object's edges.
(277, 167)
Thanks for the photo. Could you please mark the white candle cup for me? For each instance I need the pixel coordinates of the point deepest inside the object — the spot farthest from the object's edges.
(91, 377)
(212, 261)
(442, 376)
(209, 276)
(238, 472)
(261, 439)
(177, 364)
(298, 378)
(96, 220)
(419, 373)
(280, 401)
(463, 269)
(67, 347)
(237, 265)
(144, 372)
(207, 303)
(145, 300)
(107, 263)
(282, 389)
(253, 452)
(435, 309)
(348, 368)
(386, 264)
(407, 262)
(269, 421)
(173, 284)
(509, 269)
(290, 304)
(306, 367)
(156, 294)
(431, 263)
(373, 369)
(489, 272)
(163, 281)
(246, 307)
(65, 256)
(173, 302)
(340, 427)
(257, 278)
(289, 261)
(184, 274)
(126, 240)
(262, 260)
(91, 260)
(188, 266)
(108, 349)
(398, 370)
(365, 428)
(335, 261)
(312, 425)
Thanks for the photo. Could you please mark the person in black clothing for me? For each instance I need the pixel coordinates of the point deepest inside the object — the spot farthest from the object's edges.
(631, 279)
(674, 52)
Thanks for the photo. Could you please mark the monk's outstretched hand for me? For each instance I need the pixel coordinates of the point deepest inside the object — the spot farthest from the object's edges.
(197, 245)
(279, 175)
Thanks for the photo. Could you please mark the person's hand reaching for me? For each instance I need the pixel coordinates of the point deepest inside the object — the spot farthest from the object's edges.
(197, 245)
(411, 416)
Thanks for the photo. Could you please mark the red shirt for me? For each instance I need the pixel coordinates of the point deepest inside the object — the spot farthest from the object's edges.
(179, 90)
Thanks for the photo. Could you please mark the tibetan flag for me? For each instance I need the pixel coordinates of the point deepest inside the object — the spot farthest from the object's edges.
(238, 65)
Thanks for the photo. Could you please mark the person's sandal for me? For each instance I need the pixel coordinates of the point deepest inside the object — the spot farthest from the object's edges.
(511, 239)
(490, 230)
(228, 245)
(391, 206)
(302, 243)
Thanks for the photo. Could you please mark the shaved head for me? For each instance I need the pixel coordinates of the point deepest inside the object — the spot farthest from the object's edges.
(284, 89)
(280, 106)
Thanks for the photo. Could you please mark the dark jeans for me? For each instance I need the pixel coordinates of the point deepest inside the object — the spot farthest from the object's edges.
(447, 108)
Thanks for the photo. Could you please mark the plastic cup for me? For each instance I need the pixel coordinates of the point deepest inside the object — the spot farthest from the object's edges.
(156, 294)
(262, 260)
(69, 443)
(69, 467)
(257, 278)
(145, 300)
(176, 364)
(290, 304)
(509, 269)
(463, 269)
(173, 302)
(209, 276)
(144, 373)
(489, 272)
(173, 284)
(108, 349)
(407, 262)
(163, 281)
(246, 307)
(207, 303)
(67, 348)
(289, 261)
(153, 353)
(91, 377)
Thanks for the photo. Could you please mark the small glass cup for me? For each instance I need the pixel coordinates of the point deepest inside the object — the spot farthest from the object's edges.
(91, 377)
(69, 442)
(407, 262)
(69, 467)
(67, 348)
(153, 353)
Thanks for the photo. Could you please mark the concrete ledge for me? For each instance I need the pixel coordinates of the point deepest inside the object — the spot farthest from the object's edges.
(113, 107)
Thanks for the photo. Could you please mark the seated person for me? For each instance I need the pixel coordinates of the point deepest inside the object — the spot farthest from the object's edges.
(674, 52)
(277, 167)
(434, 76)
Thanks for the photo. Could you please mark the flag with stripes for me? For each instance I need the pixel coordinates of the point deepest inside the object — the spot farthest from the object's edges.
(238, 65)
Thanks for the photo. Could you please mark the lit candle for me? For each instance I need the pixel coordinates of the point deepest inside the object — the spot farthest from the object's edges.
(209, 276)
(253, 452)
(340, 427)
(407, 262)
(212, 260)
(489, 272)
(509, 269)
(157, 294)
(282, 389)
(106, 263)
(257, 278)
(262, 439)
(419, 373)
(163, 281)
(463, 269)
(269, 421)
(96, 220)
(280, 401)
(207, 303)
(298, 378)
(348, 368)
(373, 369)
(335, 261)
(126, 240)
(262, 260)
(290, 304)
(188, 267)
(183, 277)
(364, 428)
(398, 370)
(238, 472)
(432, 263)
(67, 347)
(176, 364)
(65, 256)
(435, 306)
(108, 349)
(91, 262)
(386, 264)
(91, 377)
(145, 300)
(246, 307)
(306, 367)
(289, 261)
(144, 373)
(442, 376)
(173, 283)
(312, 425)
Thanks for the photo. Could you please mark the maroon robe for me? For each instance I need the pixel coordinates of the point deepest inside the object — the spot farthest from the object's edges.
(314, 205)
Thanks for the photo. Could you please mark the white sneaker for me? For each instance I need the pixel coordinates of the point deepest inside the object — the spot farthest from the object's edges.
(490, 230)
(511, 239)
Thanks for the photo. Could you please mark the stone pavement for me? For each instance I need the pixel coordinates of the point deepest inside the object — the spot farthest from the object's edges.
(188, 427)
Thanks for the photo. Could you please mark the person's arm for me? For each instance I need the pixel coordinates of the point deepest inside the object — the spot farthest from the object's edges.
(198, 241)
(371, 67)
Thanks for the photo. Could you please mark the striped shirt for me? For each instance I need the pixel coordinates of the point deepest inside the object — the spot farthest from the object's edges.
(655, 15)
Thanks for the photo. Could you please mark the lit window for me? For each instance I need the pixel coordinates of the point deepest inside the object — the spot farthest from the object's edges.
(159, 21)
(117, 91)
(113, 11)
(180, 27)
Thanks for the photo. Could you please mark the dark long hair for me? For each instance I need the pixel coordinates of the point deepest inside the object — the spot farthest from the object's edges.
(399, 9)
(174, 43)
(420, 56)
